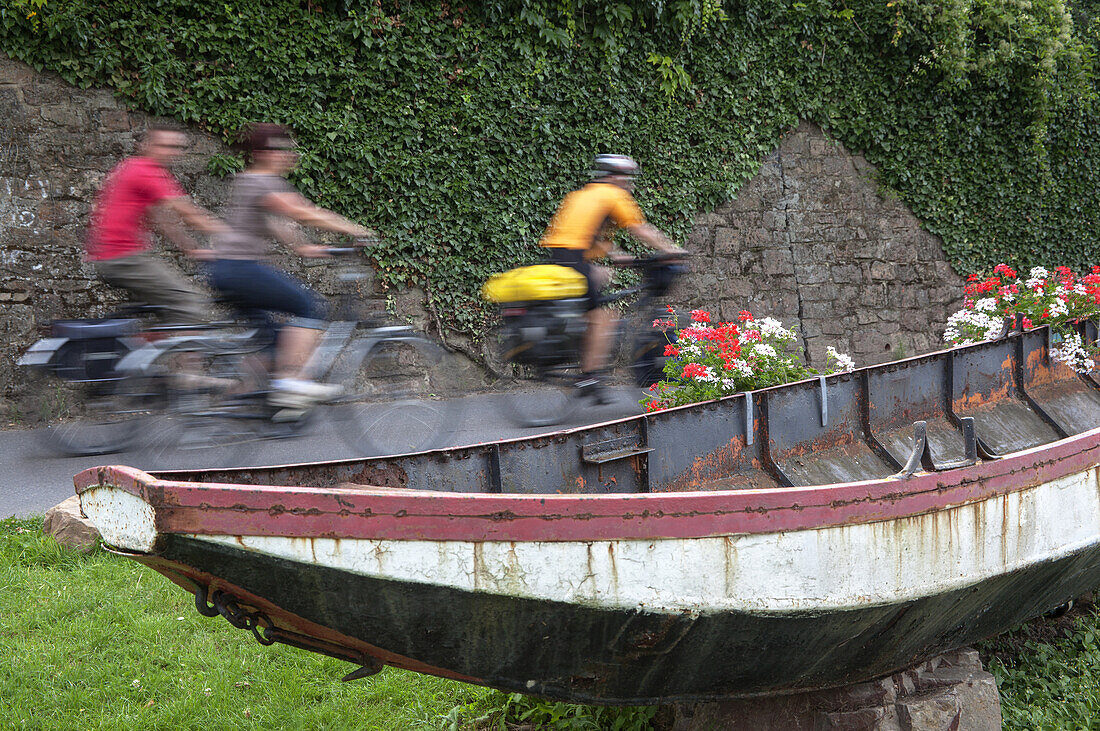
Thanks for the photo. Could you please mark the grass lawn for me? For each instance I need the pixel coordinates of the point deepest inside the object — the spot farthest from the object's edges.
(99, 642)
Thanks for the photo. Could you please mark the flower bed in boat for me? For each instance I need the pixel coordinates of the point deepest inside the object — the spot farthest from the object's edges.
(1060, 299)
(708, 360)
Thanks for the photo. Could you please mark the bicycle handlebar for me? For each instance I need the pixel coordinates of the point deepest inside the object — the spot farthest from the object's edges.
(641, 262)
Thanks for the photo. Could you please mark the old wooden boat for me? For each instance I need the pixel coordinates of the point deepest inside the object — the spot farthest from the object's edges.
(804, 536)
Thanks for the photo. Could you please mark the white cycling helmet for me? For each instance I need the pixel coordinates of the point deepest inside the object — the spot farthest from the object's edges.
(605, 165)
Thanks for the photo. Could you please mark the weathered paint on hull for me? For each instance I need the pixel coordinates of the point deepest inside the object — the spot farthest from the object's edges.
(596, 655)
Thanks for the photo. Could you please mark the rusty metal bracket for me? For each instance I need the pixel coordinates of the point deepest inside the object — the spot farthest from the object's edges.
(611, 450)
(496, 483)
(970, 446)
(921, 455)
(371, 668)
(748, 419)
(824, 401)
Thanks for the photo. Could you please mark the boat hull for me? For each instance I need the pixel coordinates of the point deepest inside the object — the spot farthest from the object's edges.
(605, 655)
(626, 614)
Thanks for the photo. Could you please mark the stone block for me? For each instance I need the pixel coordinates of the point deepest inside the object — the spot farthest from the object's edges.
(65, 523)
(700, 240)
(883, 270)
(65, 115)
(933, 711)
(810, 273)
(15, 73)
(13, 108)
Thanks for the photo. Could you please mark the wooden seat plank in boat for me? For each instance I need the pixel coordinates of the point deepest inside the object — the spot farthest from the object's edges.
(816, 445)
(1070, 400)
(912, 390)
(989, 393)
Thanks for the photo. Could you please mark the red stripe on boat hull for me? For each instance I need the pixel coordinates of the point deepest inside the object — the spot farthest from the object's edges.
(395, 514)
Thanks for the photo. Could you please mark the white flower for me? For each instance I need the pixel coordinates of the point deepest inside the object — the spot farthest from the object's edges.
(742, 367)
(966, 327)
(1058, 307)
(763, 350)
(773, 328)
(1037, 279)
(844, 362)
(987, 304)
(1072, 352)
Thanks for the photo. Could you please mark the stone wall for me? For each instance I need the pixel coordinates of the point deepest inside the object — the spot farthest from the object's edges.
(812, 242)
(809, 241)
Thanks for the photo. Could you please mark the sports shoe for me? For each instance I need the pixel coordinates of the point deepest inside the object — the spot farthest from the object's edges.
(296, 393)
(588, 386)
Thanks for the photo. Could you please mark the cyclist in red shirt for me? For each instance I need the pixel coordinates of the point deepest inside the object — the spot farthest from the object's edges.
(138, 191)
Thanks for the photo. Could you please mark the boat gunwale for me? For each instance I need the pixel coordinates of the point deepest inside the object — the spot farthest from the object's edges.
(411, 514)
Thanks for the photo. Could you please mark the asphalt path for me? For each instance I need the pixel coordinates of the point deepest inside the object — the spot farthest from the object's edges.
(34, 478)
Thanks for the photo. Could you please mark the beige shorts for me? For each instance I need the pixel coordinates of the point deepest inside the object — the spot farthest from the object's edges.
(153, 282)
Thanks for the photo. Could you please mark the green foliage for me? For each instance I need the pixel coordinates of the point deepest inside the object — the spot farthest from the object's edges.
(221, 166)
(1049, 683)
(511, 710)
(456, 129)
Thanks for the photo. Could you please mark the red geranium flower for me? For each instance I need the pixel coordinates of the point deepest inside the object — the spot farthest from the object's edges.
(744, 316)
(700, 316)
(693, 370)
(672, 350)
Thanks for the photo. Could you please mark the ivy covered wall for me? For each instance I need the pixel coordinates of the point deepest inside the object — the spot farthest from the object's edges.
(456, 129)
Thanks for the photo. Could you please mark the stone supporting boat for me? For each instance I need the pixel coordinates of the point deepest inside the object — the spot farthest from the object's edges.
(800, 537)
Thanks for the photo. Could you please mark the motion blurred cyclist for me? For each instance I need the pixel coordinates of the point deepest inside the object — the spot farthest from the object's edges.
(261, 203)
(581, 232)
(138, 192)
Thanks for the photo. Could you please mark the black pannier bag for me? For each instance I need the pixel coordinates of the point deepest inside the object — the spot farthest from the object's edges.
(543, 333)
(93, 349)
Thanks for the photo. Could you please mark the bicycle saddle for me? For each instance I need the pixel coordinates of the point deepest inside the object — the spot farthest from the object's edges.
(111, 327)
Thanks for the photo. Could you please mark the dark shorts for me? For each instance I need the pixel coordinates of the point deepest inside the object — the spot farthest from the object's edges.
(257, 290)
(575, 258)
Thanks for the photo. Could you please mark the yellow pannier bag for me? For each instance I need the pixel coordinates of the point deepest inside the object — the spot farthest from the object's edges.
(537, 282)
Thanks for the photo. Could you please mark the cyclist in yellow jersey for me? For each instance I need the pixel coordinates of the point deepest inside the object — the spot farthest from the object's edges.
(582, 231)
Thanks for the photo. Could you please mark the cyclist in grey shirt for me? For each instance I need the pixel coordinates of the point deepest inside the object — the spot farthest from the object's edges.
(261, 204)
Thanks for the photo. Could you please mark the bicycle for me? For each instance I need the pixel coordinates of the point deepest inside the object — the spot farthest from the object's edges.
(540, 342)
(390, 402)
(224, 400)
(87, 357)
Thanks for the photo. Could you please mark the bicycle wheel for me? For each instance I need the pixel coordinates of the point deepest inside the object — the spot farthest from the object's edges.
(111, 416)
(397, 399)
(214, 415)
(537, 397)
